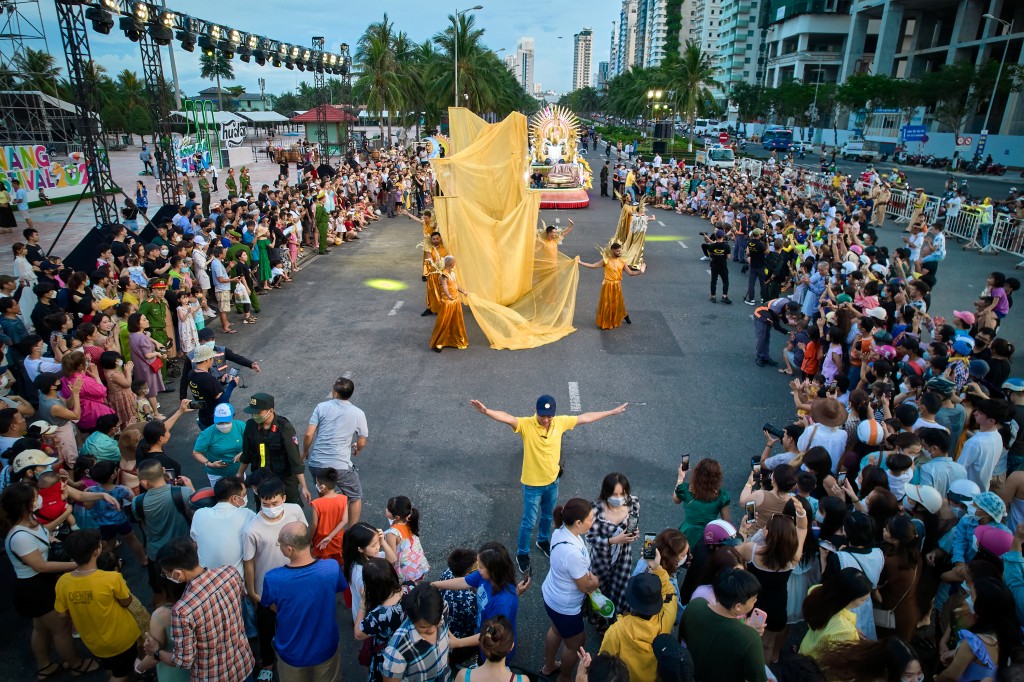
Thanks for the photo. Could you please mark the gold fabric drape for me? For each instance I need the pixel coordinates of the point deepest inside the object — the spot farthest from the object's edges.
(520, 296)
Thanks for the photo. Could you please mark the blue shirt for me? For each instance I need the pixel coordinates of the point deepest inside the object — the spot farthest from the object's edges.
(218, 270)
(491, 603)
(104, 513)
(307, 630)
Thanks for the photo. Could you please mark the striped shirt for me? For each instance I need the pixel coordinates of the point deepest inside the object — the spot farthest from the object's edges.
(207, 628)
(410, 658)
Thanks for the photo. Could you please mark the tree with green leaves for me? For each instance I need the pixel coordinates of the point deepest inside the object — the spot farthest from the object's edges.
(140, 122)
(377, 81)
(690, 79)
(39, 71)
(215, 66)
(752, 101)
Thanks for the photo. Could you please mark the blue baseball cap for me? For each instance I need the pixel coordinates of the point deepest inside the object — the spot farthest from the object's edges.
(546, 406)
(1015, 385)
(223, 413)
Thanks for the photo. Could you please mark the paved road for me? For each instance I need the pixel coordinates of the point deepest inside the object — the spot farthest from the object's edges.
(685, 366)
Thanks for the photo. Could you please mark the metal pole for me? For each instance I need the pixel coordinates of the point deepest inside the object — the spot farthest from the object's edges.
(999, 74)
(174, 68)
(455, 39)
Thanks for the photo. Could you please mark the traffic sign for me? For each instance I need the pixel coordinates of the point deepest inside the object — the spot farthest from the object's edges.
(723, 137)
(964, 141)
(924, 138)
(913, 133)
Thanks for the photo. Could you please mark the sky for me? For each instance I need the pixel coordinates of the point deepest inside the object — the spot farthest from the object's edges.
(504, 22)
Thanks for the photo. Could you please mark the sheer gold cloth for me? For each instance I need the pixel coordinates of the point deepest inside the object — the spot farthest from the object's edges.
(521, 294)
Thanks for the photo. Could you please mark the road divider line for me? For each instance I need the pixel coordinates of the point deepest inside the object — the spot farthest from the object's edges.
(394, 311)
(683, 244)
(574, 397)
(708, 271)
(661, 223)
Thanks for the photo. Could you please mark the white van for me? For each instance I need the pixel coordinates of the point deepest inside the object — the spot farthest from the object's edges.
(715, 157)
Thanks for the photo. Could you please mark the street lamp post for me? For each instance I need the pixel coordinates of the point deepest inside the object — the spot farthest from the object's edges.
(999, 74)
(654, 100)
(455, 40)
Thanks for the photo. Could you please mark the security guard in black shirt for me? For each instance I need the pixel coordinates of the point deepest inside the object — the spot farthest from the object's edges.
(717, 249)
(269, 443)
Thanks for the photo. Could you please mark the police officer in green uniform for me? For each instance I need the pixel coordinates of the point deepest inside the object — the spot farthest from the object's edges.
(161, 325)
(269, 443)
(204, 191)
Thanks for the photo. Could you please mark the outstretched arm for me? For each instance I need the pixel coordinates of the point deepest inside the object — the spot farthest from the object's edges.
(590, 417)
(598, 264)
(496, 415)
(568, 229)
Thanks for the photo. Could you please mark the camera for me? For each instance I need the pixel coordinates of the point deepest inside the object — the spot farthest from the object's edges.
(773, 431)
(194, 405)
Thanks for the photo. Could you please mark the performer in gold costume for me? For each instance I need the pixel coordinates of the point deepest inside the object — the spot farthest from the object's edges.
(429, 227)
(550, 238)
(450, 327)
(611, 307)
(434, 260)
(631, 232)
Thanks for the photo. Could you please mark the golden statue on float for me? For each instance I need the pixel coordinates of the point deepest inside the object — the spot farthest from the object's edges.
(558, 169)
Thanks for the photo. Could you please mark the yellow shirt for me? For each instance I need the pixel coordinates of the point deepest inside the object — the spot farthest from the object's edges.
(542, 449)
(630, 179)
(631, 638)
(106, 627)
(129, 297)
(840, 629)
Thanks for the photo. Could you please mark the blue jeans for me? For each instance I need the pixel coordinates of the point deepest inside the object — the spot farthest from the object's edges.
(986, 231)
(542, 498)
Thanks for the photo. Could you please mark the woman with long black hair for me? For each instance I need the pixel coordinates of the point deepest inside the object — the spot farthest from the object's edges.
(828, 610)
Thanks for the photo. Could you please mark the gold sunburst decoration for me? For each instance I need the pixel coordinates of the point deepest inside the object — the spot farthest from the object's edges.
(557, 124)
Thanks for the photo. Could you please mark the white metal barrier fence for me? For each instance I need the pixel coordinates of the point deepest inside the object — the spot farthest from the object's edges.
(1007, 235)
(901, 206)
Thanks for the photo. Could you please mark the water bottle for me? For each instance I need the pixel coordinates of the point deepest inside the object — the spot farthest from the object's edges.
(601, 604)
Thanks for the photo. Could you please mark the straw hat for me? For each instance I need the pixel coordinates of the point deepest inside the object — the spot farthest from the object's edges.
(829, 412)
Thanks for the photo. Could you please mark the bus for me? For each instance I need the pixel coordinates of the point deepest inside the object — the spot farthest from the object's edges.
(778, 138)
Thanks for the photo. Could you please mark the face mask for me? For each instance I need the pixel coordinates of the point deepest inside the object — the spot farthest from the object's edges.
(968, 600)
(904, 388)
(88, 282)
(173, 580)
(163, 252)
(38, 504)
(273, 512)
(616, 501)
(959, 512)
(225, 427)
(259, 418)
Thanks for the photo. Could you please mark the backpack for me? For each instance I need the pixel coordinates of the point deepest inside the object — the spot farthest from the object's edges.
(137, 511)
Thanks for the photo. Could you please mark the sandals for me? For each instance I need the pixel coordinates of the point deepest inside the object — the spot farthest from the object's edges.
(84, 667)
(549, 673)
(52, 670)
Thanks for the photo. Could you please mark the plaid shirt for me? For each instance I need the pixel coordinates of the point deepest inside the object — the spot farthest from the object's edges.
(207, 629)
(410, 658)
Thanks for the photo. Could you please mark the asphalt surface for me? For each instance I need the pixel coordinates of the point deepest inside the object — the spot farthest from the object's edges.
(685, 366)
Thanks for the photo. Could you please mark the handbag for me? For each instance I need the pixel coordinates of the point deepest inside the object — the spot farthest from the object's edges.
(156, 364)
(886, 618)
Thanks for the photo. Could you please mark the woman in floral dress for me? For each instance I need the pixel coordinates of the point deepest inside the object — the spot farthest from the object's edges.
(611, 547)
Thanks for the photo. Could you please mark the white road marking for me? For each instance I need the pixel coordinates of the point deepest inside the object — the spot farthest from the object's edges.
(574, 397)
(683, 244)
(708, 271)
(394, 311)
(558, 221)
(347, 375)
(661, 223)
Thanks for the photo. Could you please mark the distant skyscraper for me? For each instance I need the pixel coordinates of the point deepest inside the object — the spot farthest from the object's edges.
(613, 52)
(581, 64)
(651, 28)
(524, 63)
(602, 76)
(626, 57)
(510, 64)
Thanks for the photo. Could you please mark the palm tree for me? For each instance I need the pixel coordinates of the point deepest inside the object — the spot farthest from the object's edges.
(690, 78)
(131, 90)
(474, 79)
(39, 70)
(378, 81)
(215, 66)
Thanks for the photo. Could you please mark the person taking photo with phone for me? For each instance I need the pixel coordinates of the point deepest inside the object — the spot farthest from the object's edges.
(611, 538)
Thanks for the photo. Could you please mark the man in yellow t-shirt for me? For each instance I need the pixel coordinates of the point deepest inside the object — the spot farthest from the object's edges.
(97, 603)
(542, 450)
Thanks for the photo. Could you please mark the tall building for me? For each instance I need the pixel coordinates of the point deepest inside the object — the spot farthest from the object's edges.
(510, 64)
(805, 42)
(739, 41)
(602, 76)
(582, 54)
(524, 64)
(705, 19)
(651, 28)
(626, 56)
(686, 9)
(613, 52)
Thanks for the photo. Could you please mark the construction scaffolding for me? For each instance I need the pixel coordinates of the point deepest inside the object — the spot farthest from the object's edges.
(26, 71)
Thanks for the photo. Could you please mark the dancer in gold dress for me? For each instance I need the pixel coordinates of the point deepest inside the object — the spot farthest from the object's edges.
(631, 232)
(611, 307)
(429, 227)
(433, 264)
(450, 326)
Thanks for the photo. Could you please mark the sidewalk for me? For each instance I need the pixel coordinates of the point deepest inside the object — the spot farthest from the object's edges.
(125, 167)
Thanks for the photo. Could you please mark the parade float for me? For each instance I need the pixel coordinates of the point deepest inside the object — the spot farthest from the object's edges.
(557, 169)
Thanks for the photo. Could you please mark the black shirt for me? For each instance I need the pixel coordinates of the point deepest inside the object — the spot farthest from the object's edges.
(165, 461)
(717, 251)
(35, 254)
(205, 388)
(275, 448)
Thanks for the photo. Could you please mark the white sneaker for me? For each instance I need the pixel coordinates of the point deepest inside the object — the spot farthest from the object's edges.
(705, 258)
(208, 314)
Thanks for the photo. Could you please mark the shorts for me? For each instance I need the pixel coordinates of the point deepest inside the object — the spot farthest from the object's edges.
(122, 665)
(111, 532)
(348, 482)
(223, 300)
(34, 597)
(566, 626)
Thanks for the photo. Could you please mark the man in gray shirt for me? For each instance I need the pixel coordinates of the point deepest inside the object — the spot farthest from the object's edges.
(163, 510)
(336, 433)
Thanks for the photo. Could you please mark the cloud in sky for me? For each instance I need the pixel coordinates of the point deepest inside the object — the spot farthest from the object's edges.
(504, 22)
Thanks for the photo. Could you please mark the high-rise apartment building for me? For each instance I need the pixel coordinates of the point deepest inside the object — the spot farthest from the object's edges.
(613, 52)
(524, 64)
(739, 42)
(510, 64)
(583, 43)
(626, 57)
(602, 76)
(651, 29)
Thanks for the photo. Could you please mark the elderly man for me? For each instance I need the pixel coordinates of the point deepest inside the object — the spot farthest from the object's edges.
(302, 593)
(542, 451)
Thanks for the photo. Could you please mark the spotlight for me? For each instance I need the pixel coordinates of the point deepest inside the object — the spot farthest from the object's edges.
(215, 32)
(253, 42)
(208, 46)
(289, 65)
(259, 57)
(226, 50)
(305, 55)
(112, 5)
(188, 41)
(141, 12)
(162, 32)
(234, 37)
(132, 28)
(294, 52)
(101, 20)
(167, 19)
(282, 51)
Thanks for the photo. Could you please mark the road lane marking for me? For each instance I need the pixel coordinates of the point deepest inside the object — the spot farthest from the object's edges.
(661, 223)
(394, 311)
(683, 244)
(574, 397)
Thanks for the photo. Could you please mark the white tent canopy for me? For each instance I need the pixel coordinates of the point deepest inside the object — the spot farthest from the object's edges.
(219, 117)
(263, 116)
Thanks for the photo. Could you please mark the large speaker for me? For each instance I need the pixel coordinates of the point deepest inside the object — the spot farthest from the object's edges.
(659, 146)
(662, 131)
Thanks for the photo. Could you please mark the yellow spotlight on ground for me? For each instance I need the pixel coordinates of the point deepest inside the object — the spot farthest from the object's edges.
(386, 284)
(661, 238)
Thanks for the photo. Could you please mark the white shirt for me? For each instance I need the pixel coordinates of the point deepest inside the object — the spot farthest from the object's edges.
(979, 456)
(923, 423)
(569, 562)
(832, 439)
(217, 532)
(953, 206)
